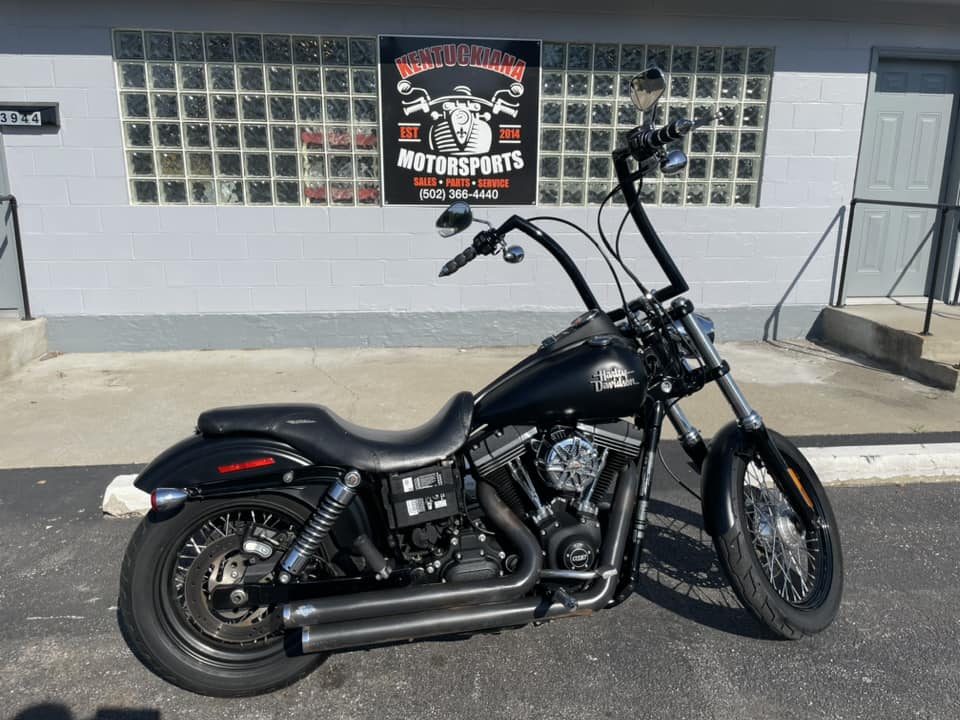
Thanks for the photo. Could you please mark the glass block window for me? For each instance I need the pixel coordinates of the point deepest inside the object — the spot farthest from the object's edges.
(586, 111)
(214, 118)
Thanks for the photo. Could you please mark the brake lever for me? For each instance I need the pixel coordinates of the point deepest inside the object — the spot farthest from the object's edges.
(709, 118)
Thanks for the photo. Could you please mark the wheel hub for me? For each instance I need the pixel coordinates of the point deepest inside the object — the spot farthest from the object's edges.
(221, 563)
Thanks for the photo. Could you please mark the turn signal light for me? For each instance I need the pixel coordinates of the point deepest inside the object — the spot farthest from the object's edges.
(167, 498)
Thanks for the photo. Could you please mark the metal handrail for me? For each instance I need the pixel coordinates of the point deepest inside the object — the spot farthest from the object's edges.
(16, 239)
(942, 210)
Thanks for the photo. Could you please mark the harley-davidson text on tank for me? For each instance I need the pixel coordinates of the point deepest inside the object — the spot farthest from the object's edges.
(459, 119)
(611, 378)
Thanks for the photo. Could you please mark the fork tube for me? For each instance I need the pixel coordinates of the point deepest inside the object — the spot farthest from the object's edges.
(748, 417)
(689, 436)
(653, 422)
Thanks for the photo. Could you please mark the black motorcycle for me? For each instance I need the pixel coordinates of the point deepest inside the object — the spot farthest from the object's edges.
(282, 532)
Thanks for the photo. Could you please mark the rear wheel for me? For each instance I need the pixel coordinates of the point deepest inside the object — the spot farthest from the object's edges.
(170, 570)
(787, 573)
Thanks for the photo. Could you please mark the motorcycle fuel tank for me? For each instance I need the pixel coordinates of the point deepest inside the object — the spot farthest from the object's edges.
(600, 378)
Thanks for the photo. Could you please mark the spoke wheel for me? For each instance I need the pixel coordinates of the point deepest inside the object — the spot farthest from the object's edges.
(171, 570)
(788, 574)
(792, 555)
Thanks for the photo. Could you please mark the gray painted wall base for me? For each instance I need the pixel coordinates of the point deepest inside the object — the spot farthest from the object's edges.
(107, 333)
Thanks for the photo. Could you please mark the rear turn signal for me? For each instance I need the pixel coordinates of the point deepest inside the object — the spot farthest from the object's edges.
(167, 498)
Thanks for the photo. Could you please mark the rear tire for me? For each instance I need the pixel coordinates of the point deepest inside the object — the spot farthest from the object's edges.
(162, 607)
(788, 576)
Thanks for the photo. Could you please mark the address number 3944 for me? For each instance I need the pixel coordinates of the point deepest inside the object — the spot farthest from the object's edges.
(13, 117)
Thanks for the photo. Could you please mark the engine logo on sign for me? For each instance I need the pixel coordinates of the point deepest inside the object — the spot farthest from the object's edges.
(459, 120)
(611, 378)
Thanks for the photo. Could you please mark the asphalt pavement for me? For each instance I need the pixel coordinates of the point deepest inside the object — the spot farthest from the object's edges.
(681, 648)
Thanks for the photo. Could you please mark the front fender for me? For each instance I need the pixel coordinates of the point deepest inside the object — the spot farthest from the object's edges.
(717, 490)
(195, 462)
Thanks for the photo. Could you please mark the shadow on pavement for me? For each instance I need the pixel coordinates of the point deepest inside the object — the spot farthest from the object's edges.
(57, 711)
(681, 573)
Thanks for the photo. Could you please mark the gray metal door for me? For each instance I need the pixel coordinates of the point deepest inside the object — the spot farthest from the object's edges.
(9, 269)
(907, 133)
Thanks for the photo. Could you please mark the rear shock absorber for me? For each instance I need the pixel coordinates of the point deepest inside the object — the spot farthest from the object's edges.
(334, 502)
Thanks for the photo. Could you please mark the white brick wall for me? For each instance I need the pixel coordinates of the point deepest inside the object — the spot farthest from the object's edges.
(88, 252)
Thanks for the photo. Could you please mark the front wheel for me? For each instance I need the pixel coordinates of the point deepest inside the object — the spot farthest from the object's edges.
(170, 570)
(788, 574)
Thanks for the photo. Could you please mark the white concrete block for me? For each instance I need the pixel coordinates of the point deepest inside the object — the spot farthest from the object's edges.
(330, 247)
(71, 219)
(304, 273)
(223, 299)
(279, 299)
(817, 116)
(793, 143)
(65, 162)
(327, 298)
(192, 220)
(357, 272)
(356, 220)
(837, 143)
(56, 301)
(84, 71)
(301, 220)
(247, 273)
(119, 301)
(135, 274)
(192, 273)
(275, 247)
(78, 274)
(850, 88)
(141, 219)
(222, 246)
(97, 191)
(23, 71)
(245, 220)
(91, 133)
(109, 162)
(160, 246)
(795, 87)
(122, 499)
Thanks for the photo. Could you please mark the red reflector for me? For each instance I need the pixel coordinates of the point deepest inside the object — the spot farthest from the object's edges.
(248, 465)
(153, 500)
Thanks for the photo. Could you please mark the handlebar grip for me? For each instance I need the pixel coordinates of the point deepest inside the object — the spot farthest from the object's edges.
(668, 133)
(468, 254)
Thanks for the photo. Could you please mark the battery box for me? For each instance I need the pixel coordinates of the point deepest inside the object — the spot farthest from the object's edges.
(422, 495)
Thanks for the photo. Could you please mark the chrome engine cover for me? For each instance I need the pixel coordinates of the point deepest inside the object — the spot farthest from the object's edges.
(571, 464)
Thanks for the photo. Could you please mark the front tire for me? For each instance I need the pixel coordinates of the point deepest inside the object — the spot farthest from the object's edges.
(170, 567)
(790, 577)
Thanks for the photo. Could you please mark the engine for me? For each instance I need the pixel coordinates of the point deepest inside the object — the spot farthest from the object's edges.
(560, 479)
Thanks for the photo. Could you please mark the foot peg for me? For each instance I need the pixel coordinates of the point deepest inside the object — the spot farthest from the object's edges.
(566, 599)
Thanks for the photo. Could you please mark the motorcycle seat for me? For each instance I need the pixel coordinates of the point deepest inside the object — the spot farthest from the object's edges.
(327, 439)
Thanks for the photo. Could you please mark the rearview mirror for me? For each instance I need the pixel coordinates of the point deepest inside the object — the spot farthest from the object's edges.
(454, 219)
(647, 87)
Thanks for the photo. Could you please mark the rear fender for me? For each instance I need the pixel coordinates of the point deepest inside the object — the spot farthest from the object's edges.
(197, 461)
(717, 491)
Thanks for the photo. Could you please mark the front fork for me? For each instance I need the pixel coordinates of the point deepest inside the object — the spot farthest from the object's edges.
(748, 418)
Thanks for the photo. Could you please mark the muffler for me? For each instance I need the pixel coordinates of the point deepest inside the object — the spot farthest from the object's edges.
(396, 628)
(400, 601)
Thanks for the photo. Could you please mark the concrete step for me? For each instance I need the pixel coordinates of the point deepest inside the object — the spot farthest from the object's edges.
(21, 342)
(890, 336)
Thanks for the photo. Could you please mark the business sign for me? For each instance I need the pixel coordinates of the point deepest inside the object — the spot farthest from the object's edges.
(459, 120)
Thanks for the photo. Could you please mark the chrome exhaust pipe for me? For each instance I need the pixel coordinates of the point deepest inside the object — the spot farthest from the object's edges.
(401, 601)
(395, 628)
